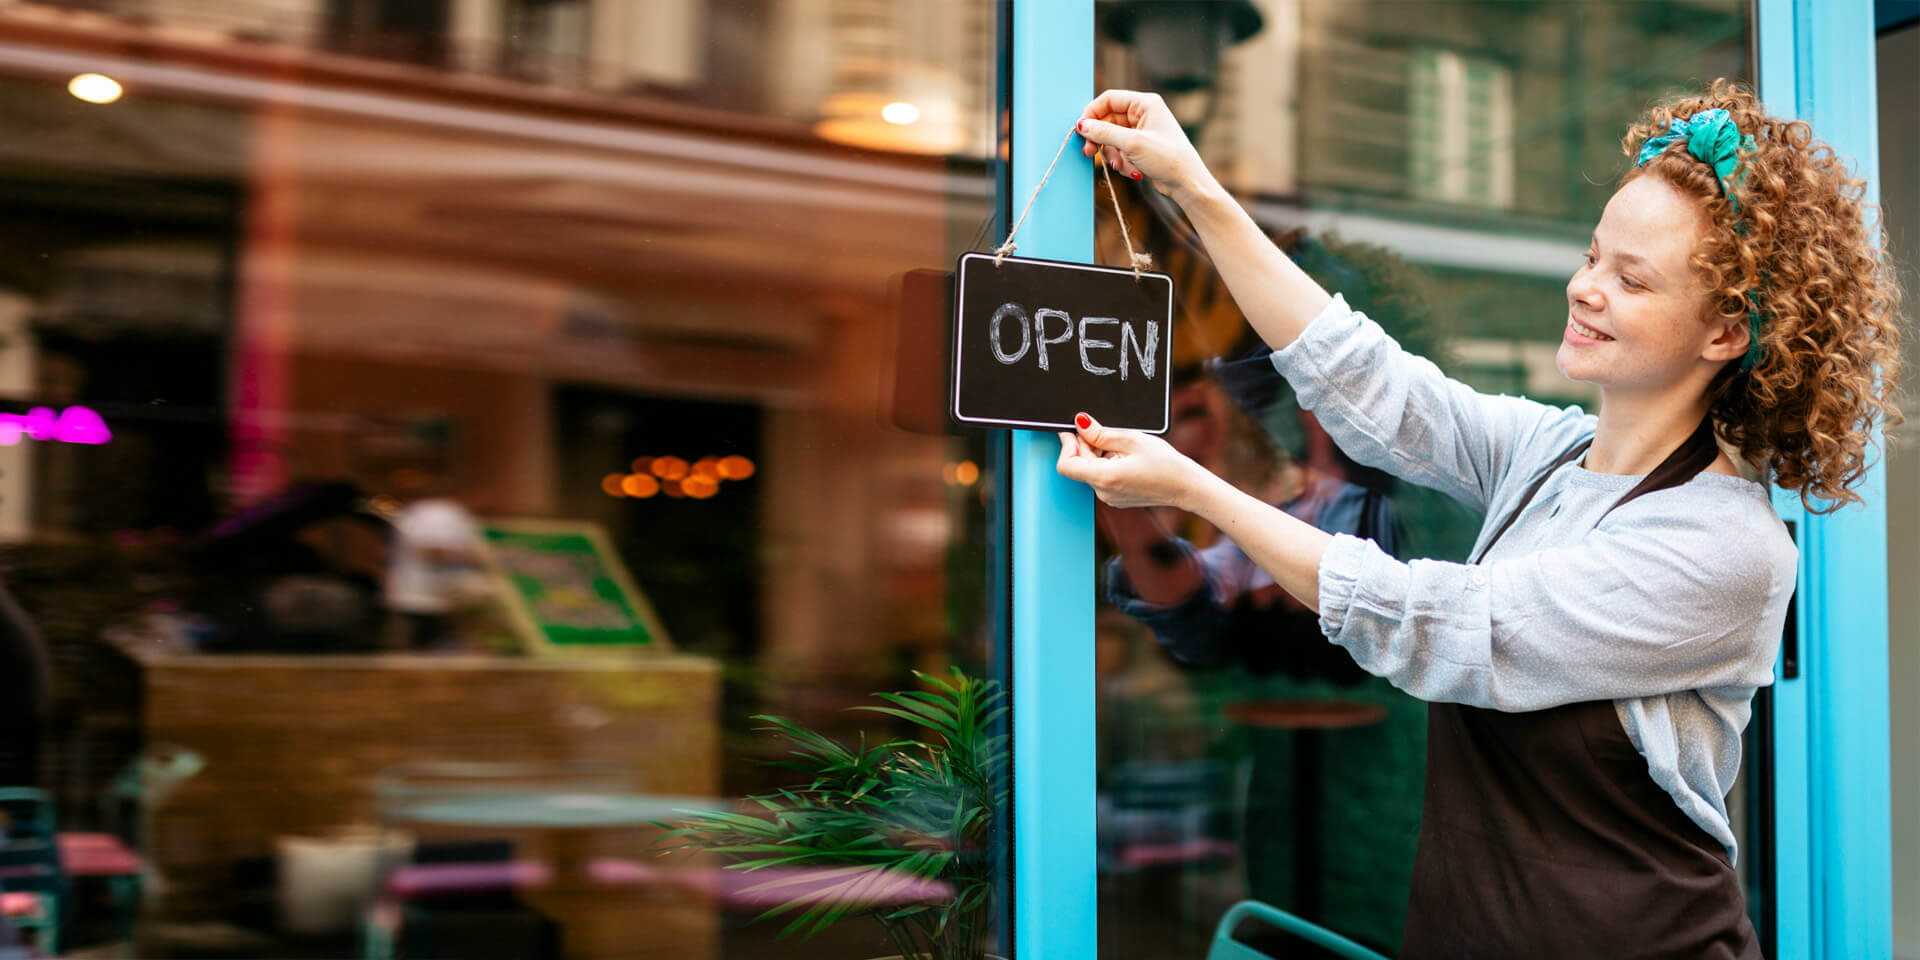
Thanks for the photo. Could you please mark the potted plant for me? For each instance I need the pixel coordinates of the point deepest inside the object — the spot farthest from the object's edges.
(901, 832)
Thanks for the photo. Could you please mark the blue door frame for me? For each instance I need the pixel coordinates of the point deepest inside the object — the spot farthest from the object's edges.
(1832, 790)
(1054, 871)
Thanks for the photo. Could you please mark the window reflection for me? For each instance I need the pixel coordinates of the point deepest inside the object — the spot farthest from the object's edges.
(502, 404)
(1441, 165)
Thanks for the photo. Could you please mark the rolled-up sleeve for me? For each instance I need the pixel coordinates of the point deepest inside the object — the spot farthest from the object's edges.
(1395, 411)
(1633, 612)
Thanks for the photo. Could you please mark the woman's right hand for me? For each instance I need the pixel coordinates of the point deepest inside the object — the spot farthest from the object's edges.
(1142, 137)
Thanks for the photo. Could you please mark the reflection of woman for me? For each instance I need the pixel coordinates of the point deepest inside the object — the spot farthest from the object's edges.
(1206, 601)
(1213, 605)
(1591, 673)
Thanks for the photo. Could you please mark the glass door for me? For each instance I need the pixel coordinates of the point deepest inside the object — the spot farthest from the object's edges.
(1831, 782)
(1442, 165)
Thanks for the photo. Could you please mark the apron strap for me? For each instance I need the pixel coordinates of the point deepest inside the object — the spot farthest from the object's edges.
(1685, 462)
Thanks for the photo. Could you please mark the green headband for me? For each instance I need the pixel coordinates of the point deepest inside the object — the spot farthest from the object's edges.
(1714, 139)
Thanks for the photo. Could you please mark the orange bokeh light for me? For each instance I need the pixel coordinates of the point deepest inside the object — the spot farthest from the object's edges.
(611, 485)
(708, 467)
(669, 468)
(735, 467)
(672, 488)
(966, 473)
(643, 465)
(639, 485)
(700, 488)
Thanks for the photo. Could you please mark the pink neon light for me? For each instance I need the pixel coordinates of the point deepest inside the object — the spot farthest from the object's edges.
(72, 425)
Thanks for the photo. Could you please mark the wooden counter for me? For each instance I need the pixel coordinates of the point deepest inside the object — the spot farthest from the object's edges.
(292, 745)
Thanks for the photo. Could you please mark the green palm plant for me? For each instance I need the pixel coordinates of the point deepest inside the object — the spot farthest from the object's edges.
(901, 832)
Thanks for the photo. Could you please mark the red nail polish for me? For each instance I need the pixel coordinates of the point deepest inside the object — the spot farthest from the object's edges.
(1136, 174)
(1083, 420)
(1081, 126)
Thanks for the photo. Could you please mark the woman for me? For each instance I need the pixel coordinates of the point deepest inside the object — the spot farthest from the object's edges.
(1591, 672)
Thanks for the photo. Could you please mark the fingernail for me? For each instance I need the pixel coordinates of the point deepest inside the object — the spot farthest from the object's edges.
(1136, 174)
(1081, 126)
(1083, 420)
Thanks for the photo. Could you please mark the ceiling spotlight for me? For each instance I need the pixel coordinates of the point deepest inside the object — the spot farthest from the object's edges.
(94, 88)
(900, 113)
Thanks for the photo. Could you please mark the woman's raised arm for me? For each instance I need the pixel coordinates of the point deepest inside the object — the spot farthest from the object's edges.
(1143, 138)
(1385, 407)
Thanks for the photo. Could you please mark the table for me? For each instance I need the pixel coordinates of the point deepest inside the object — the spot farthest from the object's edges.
(555, 811)
(574, 889)
(565, 818)
(1307, 719)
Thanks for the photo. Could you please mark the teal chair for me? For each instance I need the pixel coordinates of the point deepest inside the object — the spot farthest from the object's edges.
(30, 863)
(1225, 947)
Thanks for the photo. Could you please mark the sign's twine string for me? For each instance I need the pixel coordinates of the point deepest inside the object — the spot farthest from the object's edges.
(1139, 261)
(1000, 254)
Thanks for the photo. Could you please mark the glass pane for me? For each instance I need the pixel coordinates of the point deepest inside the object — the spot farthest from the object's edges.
(448, 445)
(1441, 164)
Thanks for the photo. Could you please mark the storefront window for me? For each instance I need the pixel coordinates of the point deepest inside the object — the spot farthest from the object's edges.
(449, 447)
(1441, 164)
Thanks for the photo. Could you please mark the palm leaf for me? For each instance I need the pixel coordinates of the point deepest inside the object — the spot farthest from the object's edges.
(868, 822)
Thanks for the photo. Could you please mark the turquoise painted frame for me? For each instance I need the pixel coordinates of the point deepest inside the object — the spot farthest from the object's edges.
(1833, 799)
(1055, 879)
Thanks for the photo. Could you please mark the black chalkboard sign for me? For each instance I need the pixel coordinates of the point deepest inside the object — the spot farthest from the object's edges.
(1036, 341)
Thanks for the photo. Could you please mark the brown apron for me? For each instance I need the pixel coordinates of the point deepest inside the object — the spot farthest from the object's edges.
(1544, 836)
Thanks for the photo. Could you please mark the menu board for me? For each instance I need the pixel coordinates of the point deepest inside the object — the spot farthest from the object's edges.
(566, 589)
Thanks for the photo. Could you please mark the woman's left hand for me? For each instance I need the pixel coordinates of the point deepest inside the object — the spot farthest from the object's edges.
(1127, 468)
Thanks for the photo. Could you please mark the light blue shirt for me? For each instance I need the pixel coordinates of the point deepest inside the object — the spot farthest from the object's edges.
(1671, 606)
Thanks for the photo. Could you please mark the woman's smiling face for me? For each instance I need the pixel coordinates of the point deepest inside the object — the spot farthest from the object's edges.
(1637, 311)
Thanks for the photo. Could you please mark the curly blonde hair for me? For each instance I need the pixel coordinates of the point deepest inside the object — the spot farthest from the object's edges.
(1800, 249)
